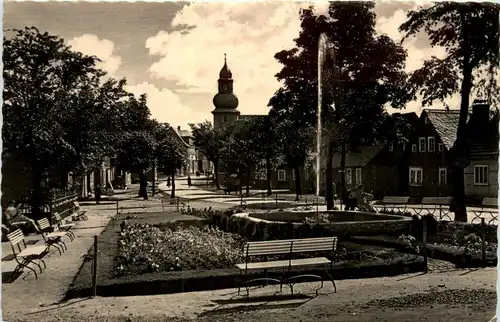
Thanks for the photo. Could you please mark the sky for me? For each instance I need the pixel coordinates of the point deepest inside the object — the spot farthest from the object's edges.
(173, 51)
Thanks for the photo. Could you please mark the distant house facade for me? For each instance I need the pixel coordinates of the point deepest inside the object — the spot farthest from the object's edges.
(427, 156)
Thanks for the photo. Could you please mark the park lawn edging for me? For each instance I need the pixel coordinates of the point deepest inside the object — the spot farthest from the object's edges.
(200, 280)
(192, 281)
(437, 251)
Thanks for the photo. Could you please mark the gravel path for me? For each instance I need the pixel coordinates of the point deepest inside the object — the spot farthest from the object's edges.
(460, 295)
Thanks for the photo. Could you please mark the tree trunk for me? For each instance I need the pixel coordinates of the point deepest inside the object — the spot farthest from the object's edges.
(459, 148)
(216, 175)
(329, 177)
(298, 186)
(143, 192)
(248, 182)
(268, 175)
(343, 190)
(36, 198)
(172, 194)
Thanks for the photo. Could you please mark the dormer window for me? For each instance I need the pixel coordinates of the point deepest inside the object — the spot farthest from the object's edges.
(427, 121)
(421, 144)
(391, 147)
(440, 147)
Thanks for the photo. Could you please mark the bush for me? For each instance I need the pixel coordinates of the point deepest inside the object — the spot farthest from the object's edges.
(144, 248)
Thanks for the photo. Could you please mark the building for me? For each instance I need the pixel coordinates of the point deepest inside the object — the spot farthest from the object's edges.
(427, 156)
(196, 161)
(226, 113)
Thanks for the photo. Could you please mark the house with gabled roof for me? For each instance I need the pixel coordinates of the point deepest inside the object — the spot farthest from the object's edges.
(427, 157)
(377, 166)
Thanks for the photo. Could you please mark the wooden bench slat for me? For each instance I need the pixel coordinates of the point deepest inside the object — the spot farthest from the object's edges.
(267, 252)
(289, 240)
(285, 263)
(395, 200)
(309, 248)
(15, 237)
(490, 202)
(436, 200)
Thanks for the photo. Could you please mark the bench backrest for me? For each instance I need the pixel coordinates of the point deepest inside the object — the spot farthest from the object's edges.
(76, 204)
(57, 217)
(436, 200)
(43, 224)
(288, 246)
(490, 202)
(396, 200)
(16, 238)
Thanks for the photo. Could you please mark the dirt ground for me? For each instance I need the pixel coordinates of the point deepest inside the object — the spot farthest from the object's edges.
(445, 294)
(453, 295)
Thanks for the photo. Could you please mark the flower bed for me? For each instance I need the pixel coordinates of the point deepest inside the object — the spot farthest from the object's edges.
(144, 248)
(140, 277)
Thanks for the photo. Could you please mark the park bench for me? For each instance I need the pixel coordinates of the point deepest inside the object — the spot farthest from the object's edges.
(62, 226)
(398, 203)
(26, 255)
(433, 204)
(488, 206)
(228, 188)
(79, 214)
(52, 239)
(288, 247)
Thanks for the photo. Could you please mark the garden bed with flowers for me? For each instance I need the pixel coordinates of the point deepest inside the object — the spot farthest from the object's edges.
(139, 258)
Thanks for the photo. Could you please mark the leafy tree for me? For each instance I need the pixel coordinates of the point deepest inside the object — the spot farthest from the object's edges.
(470, 34)
(137, 145)
(362, 73)
(171, 152)
(41, 75)
(209, 141)
(297, 147)
(243, 149)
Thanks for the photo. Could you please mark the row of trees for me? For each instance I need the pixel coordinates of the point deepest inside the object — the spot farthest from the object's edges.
(363, 74)
(63, 115)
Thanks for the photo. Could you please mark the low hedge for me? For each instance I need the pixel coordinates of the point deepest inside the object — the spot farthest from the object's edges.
(192, 281)
(448, 253)
(199, 280)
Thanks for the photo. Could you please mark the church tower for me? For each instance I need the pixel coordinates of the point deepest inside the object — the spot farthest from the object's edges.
(225, 101)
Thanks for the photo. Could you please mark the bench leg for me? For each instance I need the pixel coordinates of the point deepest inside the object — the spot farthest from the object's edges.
(53, 244)
(331, 279)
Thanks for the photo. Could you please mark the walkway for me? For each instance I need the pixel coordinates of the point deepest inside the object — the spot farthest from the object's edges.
(196, 192)
(26, 294)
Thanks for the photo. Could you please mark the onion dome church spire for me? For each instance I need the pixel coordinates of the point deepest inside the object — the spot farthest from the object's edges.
(225, 101)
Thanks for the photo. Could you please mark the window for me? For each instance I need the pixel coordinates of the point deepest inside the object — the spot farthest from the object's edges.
(442, 176)
(359, 179)
(281, 175)
(481, 175)
(348, 176)
(431, 144)
(413, 148)
(416, 176)
(440, 147)
(225, 119)
(391, 147)
(421, 144)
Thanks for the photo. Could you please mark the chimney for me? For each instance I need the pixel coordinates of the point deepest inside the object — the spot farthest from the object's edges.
(480, 111)
(179, 128)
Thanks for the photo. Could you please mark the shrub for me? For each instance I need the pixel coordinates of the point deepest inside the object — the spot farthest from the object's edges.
(407, 241)
(144, 248)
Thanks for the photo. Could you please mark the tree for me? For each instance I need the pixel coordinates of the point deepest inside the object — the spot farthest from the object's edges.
(297, 148)
(470, 34)
(362, 73)
(171, 152)
(41, 75)
(243, 149)
(137, 152)
(209, 141)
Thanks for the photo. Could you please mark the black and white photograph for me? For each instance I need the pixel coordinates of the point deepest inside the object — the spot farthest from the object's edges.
(239, 161)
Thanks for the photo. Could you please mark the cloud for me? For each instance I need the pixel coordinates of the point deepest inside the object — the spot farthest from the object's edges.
(250, 34)
(165, 105)
(89, 44)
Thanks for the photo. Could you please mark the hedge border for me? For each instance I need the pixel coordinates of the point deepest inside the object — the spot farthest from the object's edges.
(441, 252)
(191, 281)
